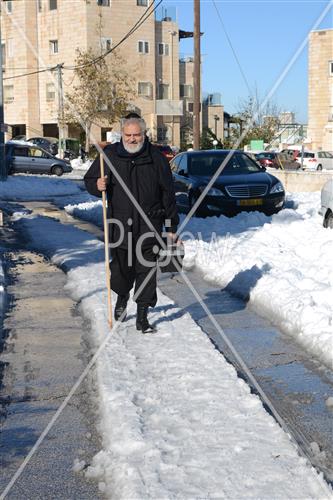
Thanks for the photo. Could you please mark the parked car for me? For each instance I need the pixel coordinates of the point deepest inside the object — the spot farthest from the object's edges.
(242, 185)
(50, 144)
(22, 157)
(71, 146)
(272, 159)
(316, 160)
(326, 209)
(166, 151)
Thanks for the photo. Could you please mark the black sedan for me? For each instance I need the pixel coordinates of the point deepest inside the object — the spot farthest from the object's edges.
(241, 185)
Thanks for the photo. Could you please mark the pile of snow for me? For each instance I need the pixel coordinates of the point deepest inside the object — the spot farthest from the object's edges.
(175, 420)
(79, 164)
(31, 187)
(281, 264)
(90, 211)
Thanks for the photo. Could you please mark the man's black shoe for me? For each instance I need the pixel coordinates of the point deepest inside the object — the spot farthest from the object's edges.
(142, 323)
(120, 309)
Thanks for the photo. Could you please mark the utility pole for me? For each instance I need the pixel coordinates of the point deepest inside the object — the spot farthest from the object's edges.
(197, 71)
(3, 169)
(60, 111)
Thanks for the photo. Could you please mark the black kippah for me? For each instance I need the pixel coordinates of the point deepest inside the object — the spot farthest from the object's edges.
(132, 115)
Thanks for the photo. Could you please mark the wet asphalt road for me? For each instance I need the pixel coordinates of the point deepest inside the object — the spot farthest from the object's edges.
(42, 353)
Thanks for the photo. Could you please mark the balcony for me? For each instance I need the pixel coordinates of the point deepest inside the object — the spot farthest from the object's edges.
(166, 107)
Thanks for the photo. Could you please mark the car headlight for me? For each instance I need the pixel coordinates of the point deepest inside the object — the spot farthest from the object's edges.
(211, 191)
(277, 188)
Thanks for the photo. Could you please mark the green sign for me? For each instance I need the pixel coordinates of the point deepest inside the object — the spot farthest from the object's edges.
(257, 144)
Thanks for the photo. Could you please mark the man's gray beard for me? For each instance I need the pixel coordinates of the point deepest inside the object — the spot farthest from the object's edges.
(133, 148)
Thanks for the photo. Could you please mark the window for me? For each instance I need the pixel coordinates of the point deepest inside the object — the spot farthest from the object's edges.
(103, 3)
(53, 4)
(142, 3)
(20, 152)
(54, 49)
(163, 49)
(186, 91)
(175, 163)
(182, 166)
(50, 92)
(8, 93)
(10, 47)
(39, 5)
(3, 50)
(190, 107)
(9, 6)
(162, 134)
(145, 89)
(163, 91)
(106, 44)
(143, 47)
(37, 153)
(330, 68)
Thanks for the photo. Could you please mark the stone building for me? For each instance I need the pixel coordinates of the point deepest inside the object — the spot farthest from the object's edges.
(213, 115)
(320, 100)
(39, 34)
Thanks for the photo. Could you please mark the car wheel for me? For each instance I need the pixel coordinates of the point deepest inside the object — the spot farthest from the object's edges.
(320, 167)
(57, 170)
(328, 221)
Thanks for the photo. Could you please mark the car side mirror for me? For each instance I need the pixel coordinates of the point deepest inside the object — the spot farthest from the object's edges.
(263, 168)
(182, 172)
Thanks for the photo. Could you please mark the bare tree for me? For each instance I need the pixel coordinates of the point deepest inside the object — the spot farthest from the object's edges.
(259, 121)
(101, 91)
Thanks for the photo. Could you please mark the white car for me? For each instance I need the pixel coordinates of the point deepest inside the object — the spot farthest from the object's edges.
(316, 160)
(326, 209)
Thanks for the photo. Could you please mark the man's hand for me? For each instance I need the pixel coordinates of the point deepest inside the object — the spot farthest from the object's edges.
(173, 238)
(102, 183)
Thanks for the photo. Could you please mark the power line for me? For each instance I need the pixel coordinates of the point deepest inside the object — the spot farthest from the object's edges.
(31, 73)
(232, 48)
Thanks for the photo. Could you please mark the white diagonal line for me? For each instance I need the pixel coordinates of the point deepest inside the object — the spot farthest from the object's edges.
(250, 121)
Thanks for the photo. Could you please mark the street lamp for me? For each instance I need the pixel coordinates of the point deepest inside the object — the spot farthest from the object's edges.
(216, 118)
(215, 143)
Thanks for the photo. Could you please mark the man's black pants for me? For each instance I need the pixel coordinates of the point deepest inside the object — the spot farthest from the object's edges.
(125, 273)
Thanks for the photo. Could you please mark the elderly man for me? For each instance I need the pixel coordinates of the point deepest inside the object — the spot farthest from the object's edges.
(144, 173)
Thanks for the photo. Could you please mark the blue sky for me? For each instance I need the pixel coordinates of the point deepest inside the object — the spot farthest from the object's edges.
(265, 35)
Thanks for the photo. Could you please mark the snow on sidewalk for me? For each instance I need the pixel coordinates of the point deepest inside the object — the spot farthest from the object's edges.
(175, 420)
(29, 187)
(282, 264)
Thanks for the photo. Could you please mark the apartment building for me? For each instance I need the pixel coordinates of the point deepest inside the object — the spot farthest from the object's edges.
(320, 99)
(39, 34)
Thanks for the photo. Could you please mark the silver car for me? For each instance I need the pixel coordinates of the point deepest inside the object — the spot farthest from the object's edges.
(28, 158)
(316, 160)
(326, 209)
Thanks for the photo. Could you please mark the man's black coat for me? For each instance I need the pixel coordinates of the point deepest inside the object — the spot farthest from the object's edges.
(148, 177)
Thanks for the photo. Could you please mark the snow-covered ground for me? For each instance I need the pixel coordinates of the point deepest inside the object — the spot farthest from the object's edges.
(175, 420)
(31, 187)
(282, 264)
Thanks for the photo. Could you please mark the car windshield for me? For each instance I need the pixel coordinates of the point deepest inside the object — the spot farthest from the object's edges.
(206, 164)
